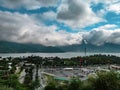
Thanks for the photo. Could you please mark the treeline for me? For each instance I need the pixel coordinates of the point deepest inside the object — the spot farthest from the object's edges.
(102, 59)
(75, 61)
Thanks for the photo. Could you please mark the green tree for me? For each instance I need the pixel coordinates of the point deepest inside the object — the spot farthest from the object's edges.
(51, 86)
(107, 81)
(75, 84)
(5, 88)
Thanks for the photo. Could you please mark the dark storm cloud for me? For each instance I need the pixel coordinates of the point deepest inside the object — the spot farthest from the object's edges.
(73, 11)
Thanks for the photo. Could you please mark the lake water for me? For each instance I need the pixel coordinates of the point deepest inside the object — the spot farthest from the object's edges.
(61, 55)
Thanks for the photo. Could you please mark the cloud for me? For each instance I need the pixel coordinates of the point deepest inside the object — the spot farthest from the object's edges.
(114, 8)
(74, 13)
(110, 5)
(115, 37)
(28, 4)
(50, 15)
(97, 37)
(107, 27)
(14, 24)
(23, 28)
(77, 14)
(103, 1)
(103, 34)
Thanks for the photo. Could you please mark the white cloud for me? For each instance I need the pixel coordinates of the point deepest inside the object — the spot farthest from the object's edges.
(49, 15)
(14, 24)
(110, 5)
(107, 27)
(28, 4)
(103, 34)
(23, 28)
(114, 7)
(103, 1)
(77, 14)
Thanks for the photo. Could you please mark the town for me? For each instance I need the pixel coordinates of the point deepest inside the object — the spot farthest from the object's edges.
(36, 73)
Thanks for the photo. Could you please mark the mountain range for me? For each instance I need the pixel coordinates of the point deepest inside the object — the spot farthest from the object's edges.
(12, 47)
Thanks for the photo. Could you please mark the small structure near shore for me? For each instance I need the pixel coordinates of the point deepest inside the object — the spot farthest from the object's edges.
(114, 67)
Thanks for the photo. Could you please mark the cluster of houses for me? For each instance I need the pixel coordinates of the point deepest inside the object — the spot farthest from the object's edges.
(5, 68)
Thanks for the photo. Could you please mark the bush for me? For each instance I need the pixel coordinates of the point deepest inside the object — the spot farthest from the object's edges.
(107, 81)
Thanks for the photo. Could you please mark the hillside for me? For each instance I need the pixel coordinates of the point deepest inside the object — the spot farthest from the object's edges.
(12, 47)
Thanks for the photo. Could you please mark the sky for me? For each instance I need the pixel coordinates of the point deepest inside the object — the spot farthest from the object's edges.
(60, 22)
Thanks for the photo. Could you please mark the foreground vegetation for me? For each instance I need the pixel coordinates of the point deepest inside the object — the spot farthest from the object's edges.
(102, 81)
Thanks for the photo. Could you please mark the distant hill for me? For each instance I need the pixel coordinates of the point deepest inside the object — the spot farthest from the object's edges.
(92, 48)
(12, 47)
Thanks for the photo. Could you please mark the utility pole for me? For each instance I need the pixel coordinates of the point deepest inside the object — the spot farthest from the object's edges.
(85, 43)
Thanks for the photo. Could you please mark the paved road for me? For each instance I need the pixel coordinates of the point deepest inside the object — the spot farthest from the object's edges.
(22, 76)
(42, 85)
(34, 74)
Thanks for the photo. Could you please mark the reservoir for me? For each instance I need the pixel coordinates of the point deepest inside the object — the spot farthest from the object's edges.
(61, 55)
